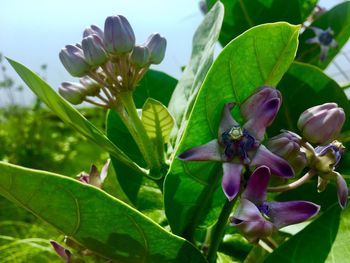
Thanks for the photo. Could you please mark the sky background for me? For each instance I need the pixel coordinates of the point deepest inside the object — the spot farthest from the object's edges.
(34, 31)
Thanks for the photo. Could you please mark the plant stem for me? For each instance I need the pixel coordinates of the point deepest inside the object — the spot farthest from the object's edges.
(138, 132)
(283, 188)
(219, 229)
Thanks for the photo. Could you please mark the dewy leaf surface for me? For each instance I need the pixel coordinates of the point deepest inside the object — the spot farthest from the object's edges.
(313, 243)
(258, 57)
(338, 19)
(186, 91)
(240, 15)
(69, 114)
(93, 218)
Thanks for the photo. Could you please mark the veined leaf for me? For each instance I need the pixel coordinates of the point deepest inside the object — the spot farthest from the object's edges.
(157, 120)
(69, 114)
(258, 57)
(186, 91)
(93, 218)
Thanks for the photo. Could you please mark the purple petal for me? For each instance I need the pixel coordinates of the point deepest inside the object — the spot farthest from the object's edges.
(231, 179)
(334, 44)
(205, 152)
(317, 31)
(249, 221)
(324, 53)
(277, 165)
(287, 213)
(312, 40)
(104, 171)
(257, 185)
(61, 251)
(342, 189)
(227, 121)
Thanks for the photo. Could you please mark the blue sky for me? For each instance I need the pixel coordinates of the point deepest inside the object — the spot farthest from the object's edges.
(33, 32)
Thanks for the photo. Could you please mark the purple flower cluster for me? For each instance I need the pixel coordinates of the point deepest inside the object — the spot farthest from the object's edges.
(240, 150)
(108, 58)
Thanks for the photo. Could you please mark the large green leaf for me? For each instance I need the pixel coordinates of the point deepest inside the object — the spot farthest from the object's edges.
(93, 218)
(69, 114)
(340, 249)
(313, 243)
(338, 19)
(186, 91)
(241, 15)
(258, 57)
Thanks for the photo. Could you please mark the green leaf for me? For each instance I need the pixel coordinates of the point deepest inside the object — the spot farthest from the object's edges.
(69, 114)
(157, 121)
(93, 218)
(313, 243)
(258, 57)
(154, 84)
(340, 248)
(241, 15)
(338, 19)
(186, 91)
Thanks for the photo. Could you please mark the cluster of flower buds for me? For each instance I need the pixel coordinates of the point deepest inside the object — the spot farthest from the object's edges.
(109, 61)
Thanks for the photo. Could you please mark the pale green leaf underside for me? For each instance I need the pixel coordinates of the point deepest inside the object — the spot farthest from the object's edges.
(157, 120)
(93, 218)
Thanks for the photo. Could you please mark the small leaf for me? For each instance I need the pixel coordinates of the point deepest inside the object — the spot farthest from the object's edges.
(94, 219)
(313, 243)
(69, 114)
(157, 120)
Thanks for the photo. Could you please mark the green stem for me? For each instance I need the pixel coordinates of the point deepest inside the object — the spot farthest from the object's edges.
(283, 188)
(219, 229)
(139, 133)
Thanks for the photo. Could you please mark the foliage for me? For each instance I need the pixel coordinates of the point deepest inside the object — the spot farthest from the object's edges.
(158, 203)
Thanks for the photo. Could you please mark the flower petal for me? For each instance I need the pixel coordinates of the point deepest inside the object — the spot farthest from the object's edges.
(231, 179)
(324, 53)
(277, 165)
(287, 213)
(342, 189)
(206, 152)
(227, 121)
(257, 185)
(248, 220)
(260, 110)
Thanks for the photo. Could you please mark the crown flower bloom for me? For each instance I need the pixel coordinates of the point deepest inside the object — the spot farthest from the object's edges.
(321, 124)
(324, 38)
(256, 218)
(237, 146)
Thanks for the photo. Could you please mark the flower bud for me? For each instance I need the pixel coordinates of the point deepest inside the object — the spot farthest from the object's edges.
(90, 87)
(321, 124)
(287, 146)
(93, 30)
(72, 92)
(73, 60)
(140, 56)
(94, 51)
(156, 46)
(119, 37)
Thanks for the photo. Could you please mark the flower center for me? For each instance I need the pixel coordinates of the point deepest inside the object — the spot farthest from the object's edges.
(238, 142)
(325, 38)
(264, 210)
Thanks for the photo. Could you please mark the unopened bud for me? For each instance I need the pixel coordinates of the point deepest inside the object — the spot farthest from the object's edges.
(156, 45)
(90, 87)
(321, 124)
(72, 58)
(94, 51)
(93, 30)
(140, 56)
(119, 37)
(287, 146)
(72, 92)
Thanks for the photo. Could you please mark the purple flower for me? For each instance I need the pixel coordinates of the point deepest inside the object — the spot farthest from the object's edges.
(256, 218)
(237, 146)
(94, 177)
(327, 159)
(62, 251)
(325, 39)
